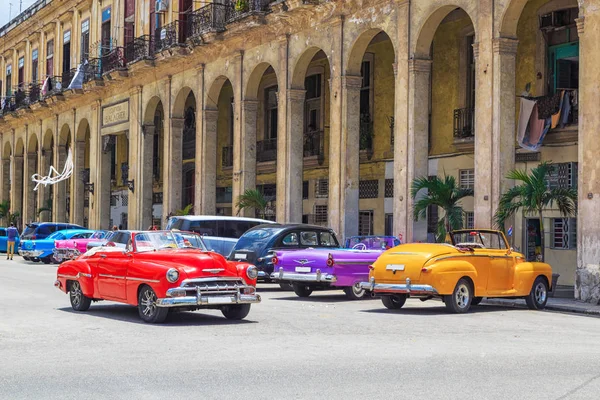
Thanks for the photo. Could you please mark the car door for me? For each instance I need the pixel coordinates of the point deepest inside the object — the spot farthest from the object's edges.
(3, 240)
(112, 271)
(500, 278)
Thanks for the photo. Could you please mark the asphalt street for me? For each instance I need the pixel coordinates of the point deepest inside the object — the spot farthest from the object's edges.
(323, 347)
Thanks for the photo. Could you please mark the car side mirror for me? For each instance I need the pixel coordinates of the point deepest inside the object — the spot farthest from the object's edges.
(110, 244)
(510, 250)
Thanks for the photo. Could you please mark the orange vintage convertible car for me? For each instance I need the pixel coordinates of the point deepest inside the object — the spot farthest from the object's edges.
(479, 263)
(157, 271)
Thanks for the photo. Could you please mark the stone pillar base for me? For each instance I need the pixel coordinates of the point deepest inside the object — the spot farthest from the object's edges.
(587, 284)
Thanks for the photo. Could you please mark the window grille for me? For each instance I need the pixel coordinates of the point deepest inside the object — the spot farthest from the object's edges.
(389, 188)
(432, 219)
(368, 189)
(305, 190)
(469, 220)
(365, 223)
(322, 188)
(321, 214)
(113, 200)
(124, 200)
(157, 198)
(467, 178)
(563, 176)
(563, 235)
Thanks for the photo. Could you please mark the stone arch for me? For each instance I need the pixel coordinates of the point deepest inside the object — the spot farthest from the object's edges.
(7, 151)
(19, 147)
(251, 92)
(302, 64)
(48, 140)
(359, 47)
(212, 95)
(64, 138)
(82, 129)
(32, 146)
(150, 111)
(429, 28)
(509, 20)
(181, 100)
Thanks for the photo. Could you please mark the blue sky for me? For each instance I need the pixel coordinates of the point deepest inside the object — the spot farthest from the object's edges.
(5, 9)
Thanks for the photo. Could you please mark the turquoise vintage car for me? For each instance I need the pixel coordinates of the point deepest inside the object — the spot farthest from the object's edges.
(42, 249)
(4, 239)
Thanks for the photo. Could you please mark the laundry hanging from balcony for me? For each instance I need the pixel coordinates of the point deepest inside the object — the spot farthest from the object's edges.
(77, 81)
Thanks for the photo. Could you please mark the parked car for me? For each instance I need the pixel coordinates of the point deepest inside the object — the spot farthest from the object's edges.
(4, 239)
(159, 271)
(69, 249)
(42, 249)
(113, 238)
(479, 263)
(41, 230)
(371, 242)
(220, 233)
(257, 245)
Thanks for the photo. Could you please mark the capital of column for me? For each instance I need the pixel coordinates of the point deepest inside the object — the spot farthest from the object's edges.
(419, 66)
(250, 105)
(17, 158)
(296, 94)
(580, 24)
(148, 130)
(177, 123)
(351, 82)
(200, 67)
(135, 90)
(505, 46)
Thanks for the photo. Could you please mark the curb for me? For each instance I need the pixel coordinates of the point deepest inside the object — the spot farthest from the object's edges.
(595, 311)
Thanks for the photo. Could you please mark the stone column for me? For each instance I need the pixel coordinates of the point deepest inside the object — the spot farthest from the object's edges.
(208, 162)
(244, 154)
(44, 191)
(198, 209)
(99, 174)
(135, 161)
(77, 188)
(59, 201)
(16, 190)
(504, 119)
(143, 192)
(417, 149)
(5, 184)
(172, 179)
(29, 198)
(290, 158)
(344, 162)
(587, 283)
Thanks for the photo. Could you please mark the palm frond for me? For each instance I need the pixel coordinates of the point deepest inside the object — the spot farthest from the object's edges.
(252, 199)
(187, 210)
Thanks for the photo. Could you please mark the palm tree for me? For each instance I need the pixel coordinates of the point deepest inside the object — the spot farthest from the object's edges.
(46, 208)
(442, 193)
(187, 210)
(252, 199)
(533, 195)
(4, 210)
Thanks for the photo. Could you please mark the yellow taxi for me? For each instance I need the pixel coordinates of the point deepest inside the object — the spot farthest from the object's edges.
(477, 263)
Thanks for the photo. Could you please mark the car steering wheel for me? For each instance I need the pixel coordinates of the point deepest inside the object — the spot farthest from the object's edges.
(359, 246)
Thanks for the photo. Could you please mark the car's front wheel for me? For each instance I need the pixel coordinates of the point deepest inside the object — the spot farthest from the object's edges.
(46, 260)
(147, 308)
(26, 258)
(394, 302)
(79, 301)
(302, 290)
(355, 292)
(236, 312)
(286, 286)
(460, 299)
(538, 296)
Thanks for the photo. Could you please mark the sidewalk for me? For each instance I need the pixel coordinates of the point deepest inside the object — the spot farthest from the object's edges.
(554, 304)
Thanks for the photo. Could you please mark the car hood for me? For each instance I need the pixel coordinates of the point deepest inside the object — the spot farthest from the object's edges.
(320, 256)
(193, 263)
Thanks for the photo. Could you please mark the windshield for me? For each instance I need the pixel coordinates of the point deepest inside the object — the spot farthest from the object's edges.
(372, 242)
(157, 240)
(478, 239)
(98, 235)
(255, 240)
(29, 230)
(56, 236)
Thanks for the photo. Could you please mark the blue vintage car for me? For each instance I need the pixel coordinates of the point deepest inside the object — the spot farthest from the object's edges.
(4, 239)
(42, 249)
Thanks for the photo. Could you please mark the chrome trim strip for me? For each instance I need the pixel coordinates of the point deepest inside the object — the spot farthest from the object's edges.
(192, 301)
(212, 279)
(300, 277)
(407, 288)
(79, 275)
(213, 270)
(111, 276)
(469, 255)
(131, 278)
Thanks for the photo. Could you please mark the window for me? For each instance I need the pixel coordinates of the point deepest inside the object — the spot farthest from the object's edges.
(560, 34)
(470, 97)
(85, 40)
(66, 60)
(365, 223)
(563, 233)
(2, 232)
(50, 58)
(328, 240)
(389, 224)
(563, 176)
(34, 65)
(305, 190)
(308, 239)
(432, 219)
(8, 80)
(208, 228)
(321, 212)
(224, 194)
(467, 178)
(389, 188)
(312, 116)
(469, 220)
(368, 189)
(291, 239)
(271, 112)
(322, 188)
(21, 71)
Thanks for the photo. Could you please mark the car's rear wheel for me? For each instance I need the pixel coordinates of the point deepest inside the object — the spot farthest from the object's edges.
(46, 260)
(286, 286)
(355, 292)
(236, 312)
(79, 301)
(538, 296)
(26, 258)
(302, 290)
(147, 308)
(476, 301)
(394, 302)
(460, 299)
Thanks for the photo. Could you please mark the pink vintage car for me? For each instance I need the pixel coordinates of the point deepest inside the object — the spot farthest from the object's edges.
(70, 249)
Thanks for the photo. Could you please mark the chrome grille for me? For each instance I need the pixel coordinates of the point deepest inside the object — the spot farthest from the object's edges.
(215, 286)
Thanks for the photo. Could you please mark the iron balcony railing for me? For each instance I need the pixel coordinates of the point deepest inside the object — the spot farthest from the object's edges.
(35, 92)
(239, 10)
(168, 36)
(227, 156)
(314, 143)
(114, 60)
(138, 49)
(464, 119)
(92, 70)
(266, 150)
(210, 18)
(67, 77)
(7, 105)
(52, 86)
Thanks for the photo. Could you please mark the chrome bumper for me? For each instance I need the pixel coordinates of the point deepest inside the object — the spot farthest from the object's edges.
(262, 274)
(208, 300)
(65, 254)
(300, 277)
(30, 253)
(407, 288)
(210, 292)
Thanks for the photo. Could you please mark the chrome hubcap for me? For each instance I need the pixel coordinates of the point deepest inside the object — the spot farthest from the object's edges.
(358, 291)
(462, 296)
(148, 303)
(540, 293)
(76, 293)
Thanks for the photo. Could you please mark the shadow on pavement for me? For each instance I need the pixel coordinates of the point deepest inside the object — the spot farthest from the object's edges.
(317, 298)
(438, 310)
(126, 313)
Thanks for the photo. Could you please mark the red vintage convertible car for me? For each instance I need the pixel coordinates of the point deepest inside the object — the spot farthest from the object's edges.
(157, 271)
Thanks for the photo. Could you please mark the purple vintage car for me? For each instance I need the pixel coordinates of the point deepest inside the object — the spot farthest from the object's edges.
(313, 269)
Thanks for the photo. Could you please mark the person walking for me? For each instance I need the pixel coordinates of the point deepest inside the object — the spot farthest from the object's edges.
(11, 235)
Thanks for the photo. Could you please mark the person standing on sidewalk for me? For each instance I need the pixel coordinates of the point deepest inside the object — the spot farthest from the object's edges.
(11, 235)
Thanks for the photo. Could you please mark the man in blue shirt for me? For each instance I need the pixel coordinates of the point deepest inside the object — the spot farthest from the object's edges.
(11, 234)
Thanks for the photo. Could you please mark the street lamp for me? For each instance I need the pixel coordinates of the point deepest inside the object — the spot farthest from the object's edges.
(125, 175)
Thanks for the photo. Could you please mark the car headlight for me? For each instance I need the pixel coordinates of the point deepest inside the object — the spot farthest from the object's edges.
(172, 275)
(252, 272)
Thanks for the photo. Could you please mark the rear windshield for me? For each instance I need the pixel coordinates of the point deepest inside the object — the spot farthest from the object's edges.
(255, 240)
(29, 230)
(233, 229)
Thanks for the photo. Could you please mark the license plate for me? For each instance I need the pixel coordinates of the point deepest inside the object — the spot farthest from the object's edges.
(220, 300)
(395, 267)
(240, 256)
(302, 269)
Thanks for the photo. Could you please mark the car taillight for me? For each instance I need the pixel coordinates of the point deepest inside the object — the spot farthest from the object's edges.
(330, 260)
(371, 268)
(274, 260)
(33, 237)
(424, 270)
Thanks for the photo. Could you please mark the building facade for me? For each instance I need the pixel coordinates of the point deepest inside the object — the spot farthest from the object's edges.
(329, 108)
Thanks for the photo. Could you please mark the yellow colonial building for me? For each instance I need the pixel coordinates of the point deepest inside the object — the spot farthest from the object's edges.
(330, 108)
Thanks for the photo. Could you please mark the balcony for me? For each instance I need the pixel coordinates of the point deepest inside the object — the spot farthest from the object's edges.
(114, 64)
(67, 77)
(240, 10)
(92, 71)
(53, 88)
(210, 18)
(138, 49)
(169, 37)
(464, 129)
(314, 145)
(266, 150)
(227, 157)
